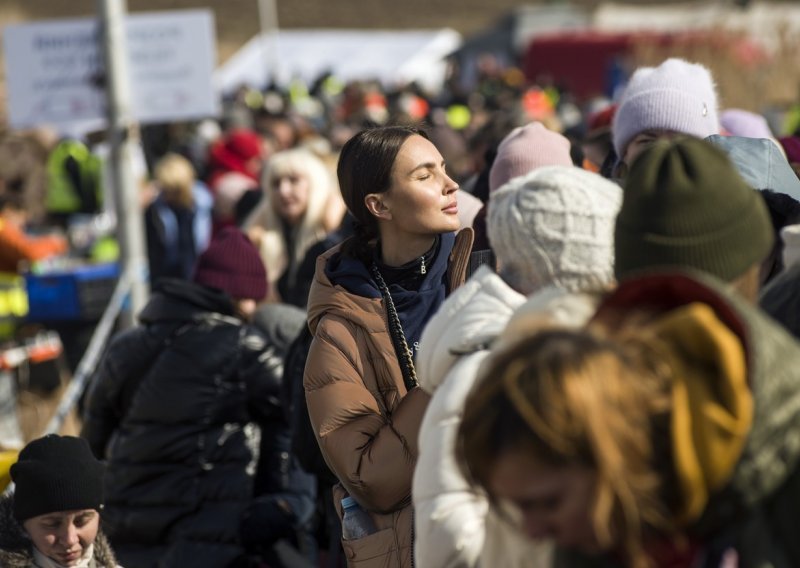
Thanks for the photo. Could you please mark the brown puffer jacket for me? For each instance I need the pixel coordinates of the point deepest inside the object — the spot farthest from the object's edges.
(365, 420)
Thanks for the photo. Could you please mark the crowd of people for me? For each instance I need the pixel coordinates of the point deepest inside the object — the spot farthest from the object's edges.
(504, 333)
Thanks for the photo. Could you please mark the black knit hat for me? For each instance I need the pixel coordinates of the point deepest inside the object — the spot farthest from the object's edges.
(56, 473)
(685, 205)
(232, 264)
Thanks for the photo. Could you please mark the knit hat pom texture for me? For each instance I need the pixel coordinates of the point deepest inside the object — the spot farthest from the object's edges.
(554, 226)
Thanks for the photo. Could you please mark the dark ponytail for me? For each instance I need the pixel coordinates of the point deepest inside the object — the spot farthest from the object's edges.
(365, 166)
(359, 245)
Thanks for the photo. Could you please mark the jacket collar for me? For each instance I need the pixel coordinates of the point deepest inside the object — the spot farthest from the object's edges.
(181, 300)
(368, 312)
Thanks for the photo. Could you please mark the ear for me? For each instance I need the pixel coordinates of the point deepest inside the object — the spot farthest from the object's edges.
(377, 206)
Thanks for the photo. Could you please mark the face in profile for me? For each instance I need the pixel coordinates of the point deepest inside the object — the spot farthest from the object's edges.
(64, 536)
(422, 197)
(290, 196)
(546, 502)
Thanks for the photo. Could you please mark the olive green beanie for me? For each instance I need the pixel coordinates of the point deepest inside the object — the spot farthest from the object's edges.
(685, 205)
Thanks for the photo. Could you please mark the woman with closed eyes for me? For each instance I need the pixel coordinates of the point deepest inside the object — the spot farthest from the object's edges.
(369, 302)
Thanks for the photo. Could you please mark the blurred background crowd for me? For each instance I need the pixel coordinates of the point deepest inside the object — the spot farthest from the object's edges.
(245, 202)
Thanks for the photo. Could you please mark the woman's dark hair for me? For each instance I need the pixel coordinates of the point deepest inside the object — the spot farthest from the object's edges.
(365, 166)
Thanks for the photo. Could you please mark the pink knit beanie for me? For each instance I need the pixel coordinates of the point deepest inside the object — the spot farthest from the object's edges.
(231, 263)
(677, 96)
(525, 149)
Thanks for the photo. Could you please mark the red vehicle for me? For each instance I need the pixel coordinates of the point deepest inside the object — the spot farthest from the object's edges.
(591, 63)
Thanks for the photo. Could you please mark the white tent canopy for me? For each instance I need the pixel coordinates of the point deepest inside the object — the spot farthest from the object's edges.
(392, 57)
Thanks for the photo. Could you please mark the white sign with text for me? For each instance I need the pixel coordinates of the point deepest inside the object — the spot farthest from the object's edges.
(54, 70)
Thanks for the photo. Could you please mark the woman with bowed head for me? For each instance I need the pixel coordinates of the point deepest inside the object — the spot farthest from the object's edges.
(301, 207)
(52, 520)
(663, 434)
(370, 299)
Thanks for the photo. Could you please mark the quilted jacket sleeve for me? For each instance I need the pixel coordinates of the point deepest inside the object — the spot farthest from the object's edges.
(112, 384)
(371, 451)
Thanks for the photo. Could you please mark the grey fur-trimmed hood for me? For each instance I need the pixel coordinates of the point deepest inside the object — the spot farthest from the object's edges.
(16, 549)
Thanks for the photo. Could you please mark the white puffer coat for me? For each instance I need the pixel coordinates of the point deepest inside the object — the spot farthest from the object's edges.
(454, 526)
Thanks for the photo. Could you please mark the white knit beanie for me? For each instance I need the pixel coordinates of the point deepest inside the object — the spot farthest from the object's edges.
(555, 226)
(677, 96)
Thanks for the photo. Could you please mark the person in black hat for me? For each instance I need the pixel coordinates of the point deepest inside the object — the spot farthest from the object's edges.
(53, 517)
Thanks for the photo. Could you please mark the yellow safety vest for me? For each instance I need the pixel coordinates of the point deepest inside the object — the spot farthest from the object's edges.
(62, 194)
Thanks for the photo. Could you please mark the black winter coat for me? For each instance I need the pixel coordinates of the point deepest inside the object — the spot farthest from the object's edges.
(175, 408)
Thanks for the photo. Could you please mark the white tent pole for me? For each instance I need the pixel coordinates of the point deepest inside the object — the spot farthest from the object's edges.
(268, 16)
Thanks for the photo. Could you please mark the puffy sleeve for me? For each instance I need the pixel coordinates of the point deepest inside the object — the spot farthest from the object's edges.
(112, 385)
(450, 514)
(372, 451)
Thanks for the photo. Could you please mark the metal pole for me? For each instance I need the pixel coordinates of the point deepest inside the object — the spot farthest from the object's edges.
(130, 228)
(268, 16)
(91, 356)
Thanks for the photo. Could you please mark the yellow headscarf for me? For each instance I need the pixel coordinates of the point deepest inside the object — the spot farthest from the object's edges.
(712, 404)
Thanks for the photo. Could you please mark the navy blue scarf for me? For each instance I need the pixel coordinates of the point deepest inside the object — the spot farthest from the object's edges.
(414, 307)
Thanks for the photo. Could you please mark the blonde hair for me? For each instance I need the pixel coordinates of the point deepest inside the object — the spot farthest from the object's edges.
(585, 398)
(175, 177)
(323, 214)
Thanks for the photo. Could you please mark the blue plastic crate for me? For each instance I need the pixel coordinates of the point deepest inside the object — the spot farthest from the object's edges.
(79, 293)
